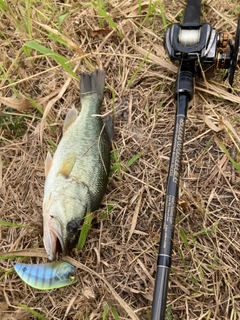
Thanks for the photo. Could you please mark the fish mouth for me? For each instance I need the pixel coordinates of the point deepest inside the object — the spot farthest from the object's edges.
(53, 238)
(59, 239)
(58, 245)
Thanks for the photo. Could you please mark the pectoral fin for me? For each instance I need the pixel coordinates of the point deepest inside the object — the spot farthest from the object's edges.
(70, 118)
(67, 164)
(48, 163)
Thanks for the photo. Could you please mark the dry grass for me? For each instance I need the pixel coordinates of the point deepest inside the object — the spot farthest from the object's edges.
(118, 262)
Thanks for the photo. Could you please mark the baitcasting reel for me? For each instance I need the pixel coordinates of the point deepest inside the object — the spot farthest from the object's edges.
(201, 43)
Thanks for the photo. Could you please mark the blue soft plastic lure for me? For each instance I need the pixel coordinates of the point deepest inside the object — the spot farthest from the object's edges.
(47, 276)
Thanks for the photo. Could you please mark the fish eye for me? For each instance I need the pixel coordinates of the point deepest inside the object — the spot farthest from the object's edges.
(72, 225)
(71, 276)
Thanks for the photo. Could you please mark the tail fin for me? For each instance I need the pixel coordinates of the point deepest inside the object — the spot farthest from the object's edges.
(92, 83)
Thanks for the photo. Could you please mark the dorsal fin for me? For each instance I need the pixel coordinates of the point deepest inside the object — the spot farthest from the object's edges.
(70, 118)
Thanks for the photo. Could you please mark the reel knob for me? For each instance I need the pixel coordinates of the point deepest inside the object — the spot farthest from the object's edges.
(223, 39)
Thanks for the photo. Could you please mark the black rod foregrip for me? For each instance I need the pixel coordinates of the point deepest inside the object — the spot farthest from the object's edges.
(160, 297)
(193, 11)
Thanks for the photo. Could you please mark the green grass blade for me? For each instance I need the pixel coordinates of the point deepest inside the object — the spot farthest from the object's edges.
(7, 258)
(3, 5)
(151, 9)
(10, 224)
(4, 273)
(133, 159)
(103, 14)
(52, 144)
(84, 231)
(109, 209)
(37, 106)
(64, 62)
(164, 20)
(114, 312)
(183, 259)
(110, 21)
(169, 313)
(137, 71)
(184, 237)
(116, 163)
(62, 18)
(25, 19)
(33, 312)
(105, 312)
(234, 163)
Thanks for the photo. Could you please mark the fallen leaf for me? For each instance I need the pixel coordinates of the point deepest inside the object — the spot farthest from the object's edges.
(17, 104)
(103, 32)
(211, 125)
(230, 127)
(88, 292)
(23, 104)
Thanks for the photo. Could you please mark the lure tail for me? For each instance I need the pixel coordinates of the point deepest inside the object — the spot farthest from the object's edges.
(92, 83)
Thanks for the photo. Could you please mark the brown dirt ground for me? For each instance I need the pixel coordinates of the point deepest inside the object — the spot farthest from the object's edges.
(116, 268)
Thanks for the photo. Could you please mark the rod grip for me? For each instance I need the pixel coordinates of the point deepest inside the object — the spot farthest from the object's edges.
(160, 294)
(193, 12)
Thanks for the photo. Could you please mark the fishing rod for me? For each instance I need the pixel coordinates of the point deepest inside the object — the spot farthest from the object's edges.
(198, 48)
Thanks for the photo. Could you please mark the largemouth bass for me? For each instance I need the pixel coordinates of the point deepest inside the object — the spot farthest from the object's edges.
(77, 175)
(47, 276)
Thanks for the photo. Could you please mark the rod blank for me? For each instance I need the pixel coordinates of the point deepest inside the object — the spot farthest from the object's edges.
(167, 232)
